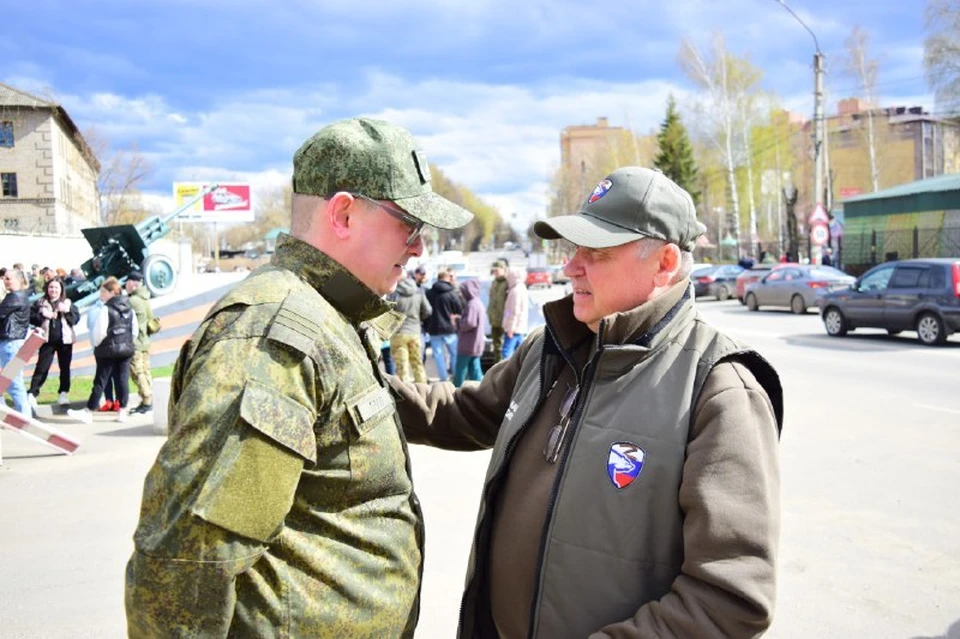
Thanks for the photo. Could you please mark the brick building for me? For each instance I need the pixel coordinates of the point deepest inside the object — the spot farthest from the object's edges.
(588, 152)
(48, 173)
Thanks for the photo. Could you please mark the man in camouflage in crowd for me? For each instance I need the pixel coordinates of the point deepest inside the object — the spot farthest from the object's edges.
(282, 503)
(140, 364)
(497, 302)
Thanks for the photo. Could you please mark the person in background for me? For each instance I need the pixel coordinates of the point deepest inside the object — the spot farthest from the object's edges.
(827, 259)
(420, 277)
(389, 365)
(110, 403)
(634, 484)
(56, 316)
(45, 275)
(114, 335)
(470, 337)
(447, 305)
(516, 311)
(495, 303)
(282, 503)
(140, 364)
(14, 324)
(410, 300)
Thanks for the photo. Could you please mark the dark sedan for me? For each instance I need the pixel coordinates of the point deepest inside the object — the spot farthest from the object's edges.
(921, 295)
(716, 281)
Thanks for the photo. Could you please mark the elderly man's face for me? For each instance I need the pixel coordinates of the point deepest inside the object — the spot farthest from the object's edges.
(610, 280)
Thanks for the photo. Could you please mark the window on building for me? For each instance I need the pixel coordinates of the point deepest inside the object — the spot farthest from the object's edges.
(9, 184)
(6, 134)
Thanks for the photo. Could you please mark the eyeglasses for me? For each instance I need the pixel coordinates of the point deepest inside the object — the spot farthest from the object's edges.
(551, 451)
(416, 226)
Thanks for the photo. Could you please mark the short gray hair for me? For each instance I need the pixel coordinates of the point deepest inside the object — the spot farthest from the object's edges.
(646, 246)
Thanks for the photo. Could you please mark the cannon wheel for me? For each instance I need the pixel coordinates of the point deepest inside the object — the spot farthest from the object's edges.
(159, 275)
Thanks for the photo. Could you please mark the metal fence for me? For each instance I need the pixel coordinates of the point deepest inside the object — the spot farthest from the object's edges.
(860, 251)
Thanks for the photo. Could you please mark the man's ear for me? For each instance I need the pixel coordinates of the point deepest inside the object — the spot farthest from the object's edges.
(669, 264)
(339, 211)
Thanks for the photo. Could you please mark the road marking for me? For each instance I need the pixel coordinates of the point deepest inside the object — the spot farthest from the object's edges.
(938, 408)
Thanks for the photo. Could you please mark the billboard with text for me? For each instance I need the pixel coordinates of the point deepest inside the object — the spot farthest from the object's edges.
(229, 202)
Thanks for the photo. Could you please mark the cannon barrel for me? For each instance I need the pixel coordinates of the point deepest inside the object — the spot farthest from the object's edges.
(121, 249)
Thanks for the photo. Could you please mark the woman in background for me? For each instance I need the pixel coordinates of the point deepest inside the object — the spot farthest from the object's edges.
(14, 324)
(57, 316)
(113, 346)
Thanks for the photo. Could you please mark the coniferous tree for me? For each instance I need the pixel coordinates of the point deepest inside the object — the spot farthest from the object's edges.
(675, 155)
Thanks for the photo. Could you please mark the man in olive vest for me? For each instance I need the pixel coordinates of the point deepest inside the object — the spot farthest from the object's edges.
(282, 504)
(633, 489)
(495, 306)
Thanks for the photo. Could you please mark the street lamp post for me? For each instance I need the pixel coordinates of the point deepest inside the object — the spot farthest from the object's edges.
(817, 110)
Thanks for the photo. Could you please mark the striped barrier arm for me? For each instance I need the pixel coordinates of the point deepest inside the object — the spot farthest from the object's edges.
(37, 430)
(28, 426)
(31, 345)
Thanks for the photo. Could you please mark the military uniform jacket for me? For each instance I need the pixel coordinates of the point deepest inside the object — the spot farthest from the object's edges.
(282, 503)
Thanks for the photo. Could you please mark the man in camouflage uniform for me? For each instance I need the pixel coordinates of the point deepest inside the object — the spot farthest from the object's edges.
(140, 364)
(282, 503)
(495, 306)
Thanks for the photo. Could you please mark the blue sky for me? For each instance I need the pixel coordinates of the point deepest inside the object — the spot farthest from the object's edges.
(217, 90)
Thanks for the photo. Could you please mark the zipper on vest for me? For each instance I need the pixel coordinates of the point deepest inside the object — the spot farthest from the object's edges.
(584, 383)
(483, 531)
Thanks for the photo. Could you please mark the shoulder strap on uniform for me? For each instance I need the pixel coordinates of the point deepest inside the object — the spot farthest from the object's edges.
(295, 324)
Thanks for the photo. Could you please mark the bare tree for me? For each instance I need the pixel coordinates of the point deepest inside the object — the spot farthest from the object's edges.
(122, 171)
(724, 109)
(864, 68)
(941, 54)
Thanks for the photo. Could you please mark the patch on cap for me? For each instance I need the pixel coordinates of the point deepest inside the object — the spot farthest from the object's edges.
(423, 169)
(600, 191)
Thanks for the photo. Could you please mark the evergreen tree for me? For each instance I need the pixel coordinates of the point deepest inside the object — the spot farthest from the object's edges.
(675, 155)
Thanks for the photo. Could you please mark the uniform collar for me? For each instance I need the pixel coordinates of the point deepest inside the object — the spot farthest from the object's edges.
(337, 285)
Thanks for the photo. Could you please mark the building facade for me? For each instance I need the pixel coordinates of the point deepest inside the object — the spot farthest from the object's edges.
(48, 173)
(588, 152)
(909, 145)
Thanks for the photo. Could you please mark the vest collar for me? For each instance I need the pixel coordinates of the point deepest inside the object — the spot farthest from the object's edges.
(640, 325)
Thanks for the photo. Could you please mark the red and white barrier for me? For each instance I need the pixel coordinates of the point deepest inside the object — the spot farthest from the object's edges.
(31, 345)
(37, 430)
(24, 425)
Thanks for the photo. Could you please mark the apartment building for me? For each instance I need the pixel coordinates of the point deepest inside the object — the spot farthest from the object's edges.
(48, 174)
(588, 152)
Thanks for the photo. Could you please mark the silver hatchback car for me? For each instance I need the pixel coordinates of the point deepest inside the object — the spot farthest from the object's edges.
(796, 287)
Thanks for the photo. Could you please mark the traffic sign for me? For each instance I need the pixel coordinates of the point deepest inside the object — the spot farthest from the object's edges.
(819, 215)
(819, 234)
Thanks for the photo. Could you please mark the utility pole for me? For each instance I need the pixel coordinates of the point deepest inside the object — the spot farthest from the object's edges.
(817, 123)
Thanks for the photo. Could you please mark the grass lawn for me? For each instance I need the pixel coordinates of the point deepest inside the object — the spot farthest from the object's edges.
(80, 386)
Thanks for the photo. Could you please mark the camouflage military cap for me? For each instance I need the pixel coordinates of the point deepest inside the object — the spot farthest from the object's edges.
(377, 159)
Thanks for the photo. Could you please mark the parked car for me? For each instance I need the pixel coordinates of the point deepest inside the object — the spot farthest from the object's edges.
(701, 271)
(921, 295)
(749, 276)
(558, 275)
(718, 281)
(539, 276)
(796, 286)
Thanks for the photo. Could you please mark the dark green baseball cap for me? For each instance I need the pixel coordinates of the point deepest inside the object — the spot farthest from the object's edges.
(377, 159)
(629, 204)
